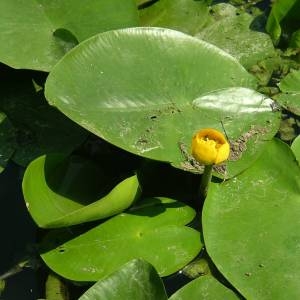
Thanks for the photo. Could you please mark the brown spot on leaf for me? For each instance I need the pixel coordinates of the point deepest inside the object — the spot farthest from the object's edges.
(238, 146)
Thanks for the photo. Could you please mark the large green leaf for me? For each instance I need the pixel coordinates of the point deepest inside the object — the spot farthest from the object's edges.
(136, 280)
(206, 288)
(251, 226)
(232, 31)
(147, 90)
(62, 192)
(247, 119)
(290, 96)
(38, 127)
(7, 140)
(188, 16)
(153, 231)
(35, 34)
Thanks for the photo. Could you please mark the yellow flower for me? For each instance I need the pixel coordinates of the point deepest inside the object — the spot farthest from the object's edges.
(210, 146)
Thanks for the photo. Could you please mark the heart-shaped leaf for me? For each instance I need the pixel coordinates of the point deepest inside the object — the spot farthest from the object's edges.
(206, 288)
(136, 280)
(148, 90)
(232, 31)
(76, 198)
(251, 226)
(153, 231)
(36, 34)
(290, 98)
(188, 16)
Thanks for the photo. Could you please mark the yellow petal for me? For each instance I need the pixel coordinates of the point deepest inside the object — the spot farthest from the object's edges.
(210, 146)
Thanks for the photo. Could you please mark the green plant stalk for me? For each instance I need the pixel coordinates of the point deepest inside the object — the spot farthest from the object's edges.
(56, 289)
(2, 286)
(205, 181)
(30, 262)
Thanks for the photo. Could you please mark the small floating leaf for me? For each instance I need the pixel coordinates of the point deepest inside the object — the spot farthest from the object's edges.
(205, 288)
(136, 280)
(75, 200)
(154, 231)
(290, 96)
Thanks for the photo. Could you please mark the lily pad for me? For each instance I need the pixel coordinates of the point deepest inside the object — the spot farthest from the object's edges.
(232, 31)
(238, 107)
(36, 34)
(188, 16)
(7, 141)
(290, 96)
(251, 226)
(206, 288)
(148, 90)
(60, 192)
(153, 231)
(136, 280)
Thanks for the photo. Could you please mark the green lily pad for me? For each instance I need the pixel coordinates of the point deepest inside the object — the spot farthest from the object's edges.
(242, 35)
(290, 101)
(136, 280)
(283, 18)
(290, 96)
(38, 127)
(7, 141)
(148, 90)
(296, 148)
(206, 288)
(153, 231)
(36, 34)
(61, 193)
(231, 30)
(237, 108)
(188, 16)
(251, 226)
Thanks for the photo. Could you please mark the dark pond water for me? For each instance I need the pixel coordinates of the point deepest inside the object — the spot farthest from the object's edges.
(17, 233)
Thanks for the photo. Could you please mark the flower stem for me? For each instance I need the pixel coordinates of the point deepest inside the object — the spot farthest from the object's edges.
(205, 180)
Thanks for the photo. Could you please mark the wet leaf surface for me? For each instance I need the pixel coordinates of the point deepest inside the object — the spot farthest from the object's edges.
(136, 279)
(251, 226)
(36, 34)
(156, 223)
(161, 97)
(62, 191)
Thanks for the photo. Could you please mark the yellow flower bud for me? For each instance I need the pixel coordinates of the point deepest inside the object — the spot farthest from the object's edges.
(210, 146)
